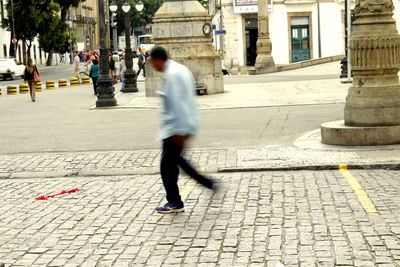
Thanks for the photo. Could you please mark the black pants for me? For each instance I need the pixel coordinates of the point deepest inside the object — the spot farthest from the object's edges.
(141, 68)
(171, 158)
(94, 79)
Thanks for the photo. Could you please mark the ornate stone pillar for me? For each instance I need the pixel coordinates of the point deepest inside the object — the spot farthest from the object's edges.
(183, 28)
(264, 61)
(372, 111)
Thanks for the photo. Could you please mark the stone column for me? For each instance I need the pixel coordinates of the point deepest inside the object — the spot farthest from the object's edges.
(183, 28)
(264, 61)
(372, 111)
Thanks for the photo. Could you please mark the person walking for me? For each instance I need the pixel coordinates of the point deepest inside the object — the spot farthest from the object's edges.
(76, 64)
(113, 69)
(179, 124)
(122, 70)
(141, 63)
(94, 74)
(31, 76)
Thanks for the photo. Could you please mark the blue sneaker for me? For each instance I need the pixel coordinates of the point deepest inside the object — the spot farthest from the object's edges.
(170, 208)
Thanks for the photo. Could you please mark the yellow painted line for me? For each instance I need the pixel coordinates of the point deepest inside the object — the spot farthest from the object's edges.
(189, 186)
(362, 196)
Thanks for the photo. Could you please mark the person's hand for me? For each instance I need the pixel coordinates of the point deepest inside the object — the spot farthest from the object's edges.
(179, 140)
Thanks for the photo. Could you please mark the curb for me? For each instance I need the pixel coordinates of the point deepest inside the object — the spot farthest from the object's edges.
(88, 173)
(210, 170)
(328, 167)
(49, 85)
(82, 173)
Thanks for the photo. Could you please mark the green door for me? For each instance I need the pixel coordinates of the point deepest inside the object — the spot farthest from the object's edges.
(300, 43)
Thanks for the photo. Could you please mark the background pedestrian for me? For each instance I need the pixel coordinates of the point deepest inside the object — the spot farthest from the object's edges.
(141, 63)
(113, 69)
(94, 74)
(122, 70)
(31, 75)
(76, 64)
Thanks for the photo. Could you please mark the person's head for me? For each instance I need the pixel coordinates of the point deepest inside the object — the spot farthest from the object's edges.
(95, 62)
(30, 62)
(75, 53)
(158, 58)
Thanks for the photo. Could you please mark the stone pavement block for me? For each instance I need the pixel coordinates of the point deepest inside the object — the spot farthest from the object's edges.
(107, 229)
(100, 163)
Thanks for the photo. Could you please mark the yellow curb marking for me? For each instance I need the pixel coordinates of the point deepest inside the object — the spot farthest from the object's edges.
(362, 196)
(189, 186)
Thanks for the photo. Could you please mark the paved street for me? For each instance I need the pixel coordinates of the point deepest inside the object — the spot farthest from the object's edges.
(55, 72)
(285, 198)
(280, 118)
(258, 219)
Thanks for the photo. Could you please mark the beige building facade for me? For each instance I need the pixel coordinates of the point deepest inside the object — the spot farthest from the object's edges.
(299, 30)
(84, 22)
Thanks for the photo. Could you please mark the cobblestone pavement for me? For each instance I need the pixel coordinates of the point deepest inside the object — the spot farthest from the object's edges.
(114, 163)
(299, 218)
(100, 161)
(280, 156)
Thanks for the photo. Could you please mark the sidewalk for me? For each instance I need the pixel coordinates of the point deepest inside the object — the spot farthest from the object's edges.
(298, 87)
(301, 156)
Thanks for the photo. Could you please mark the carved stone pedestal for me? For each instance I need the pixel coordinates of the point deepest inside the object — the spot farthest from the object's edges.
(373, 101)
(183, 28)
(264, 61)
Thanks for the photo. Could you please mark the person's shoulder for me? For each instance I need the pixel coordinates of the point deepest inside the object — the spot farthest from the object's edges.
(175, 65)
(180, 69)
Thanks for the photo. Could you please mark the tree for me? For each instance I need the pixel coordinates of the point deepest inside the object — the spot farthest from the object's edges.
(65, 5)
(28, 16)
(53, 35)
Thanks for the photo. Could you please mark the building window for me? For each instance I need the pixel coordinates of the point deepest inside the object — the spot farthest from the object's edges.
(300, 38)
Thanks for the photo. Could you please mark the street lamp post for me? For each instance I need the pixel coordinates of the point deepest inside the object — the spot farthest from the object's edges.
(343, 62)
(113, 9)
(129, 75)
(105, 82)
(13, 29)
(70, 39)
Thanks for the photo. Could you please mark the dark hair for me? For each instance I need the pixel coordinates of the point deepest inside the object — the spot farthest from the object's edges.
(95, 62)
(159, 53)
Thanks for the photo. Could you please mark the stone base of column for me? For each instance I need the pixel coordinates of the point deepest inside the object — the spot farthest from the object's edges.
(106, 88)
(337, 133)
(130, 82)
(254, 71)
(106, 102)
(264, 64)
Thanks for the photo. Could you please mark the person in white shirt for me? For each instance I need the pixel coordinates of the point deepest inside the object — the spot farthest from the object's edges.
(77, 61)
(179, 122)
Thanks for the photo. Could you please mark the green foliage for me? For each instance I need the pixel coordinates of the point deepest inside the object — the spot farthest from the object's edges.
(28, 17)
(55, 38)
(65, 5)
(54, 33)
(204, 3)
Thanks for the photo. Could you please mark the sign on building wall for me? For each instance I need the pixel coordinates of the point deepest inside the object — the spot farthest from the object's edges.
(248, 6)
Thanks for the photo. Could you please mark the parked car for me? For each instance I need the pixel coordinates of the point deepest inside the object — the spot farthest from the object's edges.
(9, 68)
